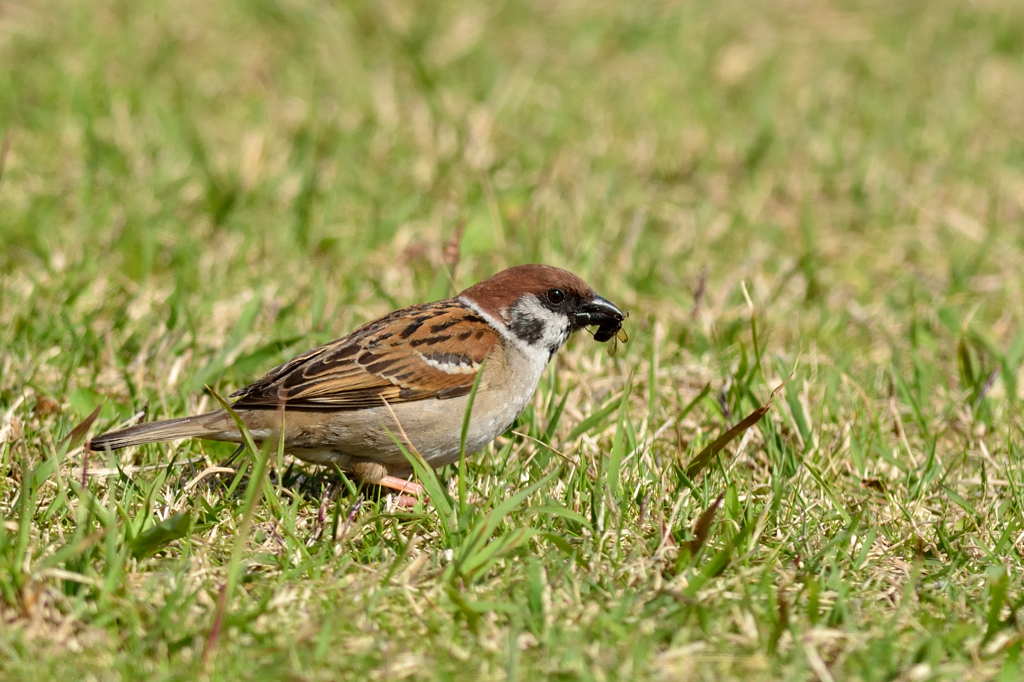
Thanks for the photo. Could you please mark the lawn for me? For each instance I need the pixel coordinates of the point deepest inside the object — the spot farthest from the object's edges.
(812, 206)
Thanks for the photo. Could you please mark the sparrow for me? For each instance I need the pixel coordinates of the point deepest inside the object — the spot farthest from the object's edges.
(408, 375)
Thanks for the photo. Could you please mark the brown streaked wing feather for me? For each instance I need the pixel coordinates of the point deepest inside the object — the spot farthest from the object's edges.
(429, 351)
(283, 369)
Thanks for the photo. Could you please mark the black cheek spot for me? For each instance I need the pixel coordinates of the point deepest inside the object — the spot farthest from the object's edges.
(529, 329)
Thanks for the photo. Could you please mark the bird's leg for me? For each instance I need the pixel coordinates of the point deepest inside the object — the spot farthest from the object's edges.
(409, 492)
(377, 474)
(401, 485)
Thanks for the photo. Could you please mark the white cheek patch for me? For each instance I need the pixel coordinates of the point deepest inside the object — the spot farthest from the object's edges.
(537, 325)
(532, 329)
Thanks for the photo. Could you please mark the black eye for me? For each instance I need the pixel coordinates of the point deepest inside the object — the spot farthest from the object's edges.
(556, 296)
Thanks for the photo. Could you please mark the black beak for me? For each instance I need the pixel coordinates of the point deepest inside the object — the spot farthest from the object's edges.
(600, 312)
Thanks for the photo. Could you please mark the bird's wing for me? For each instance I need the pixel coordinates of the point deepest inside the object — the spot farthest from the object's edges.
(429, 351)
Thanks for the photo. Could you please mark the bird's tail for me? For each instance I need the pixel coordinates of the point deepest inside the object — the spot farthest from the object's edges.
(212, 425)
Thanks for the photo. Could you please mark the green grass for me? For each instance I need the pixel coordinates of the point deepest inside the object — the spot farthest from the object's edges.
(824, 192)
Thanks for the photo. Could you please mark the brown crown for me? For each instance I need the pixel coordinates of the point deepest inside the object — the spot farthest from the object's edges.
(496, 294)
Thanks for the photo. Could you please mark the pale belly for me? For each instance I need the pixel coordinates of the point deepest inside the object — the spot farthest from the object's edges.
(433, 427)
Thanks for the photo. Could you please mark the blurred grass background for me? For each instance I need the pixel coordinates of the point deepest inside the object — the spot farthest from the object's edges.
(193, 191)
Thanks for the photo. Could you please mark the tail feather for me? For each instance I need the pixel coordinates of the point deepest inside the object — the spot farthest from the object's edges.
(210, 425)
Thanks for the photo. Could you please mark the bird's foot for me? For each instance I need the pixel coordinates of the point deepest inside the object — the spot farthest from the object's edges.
(409, 492)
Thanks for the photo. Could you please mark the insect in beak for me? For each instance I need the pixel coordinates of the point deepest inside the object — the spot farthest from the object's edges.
(620, 336)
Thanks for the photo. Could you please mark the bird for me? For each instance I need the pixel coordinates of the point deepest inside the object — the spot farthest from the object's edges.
(408, 376)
